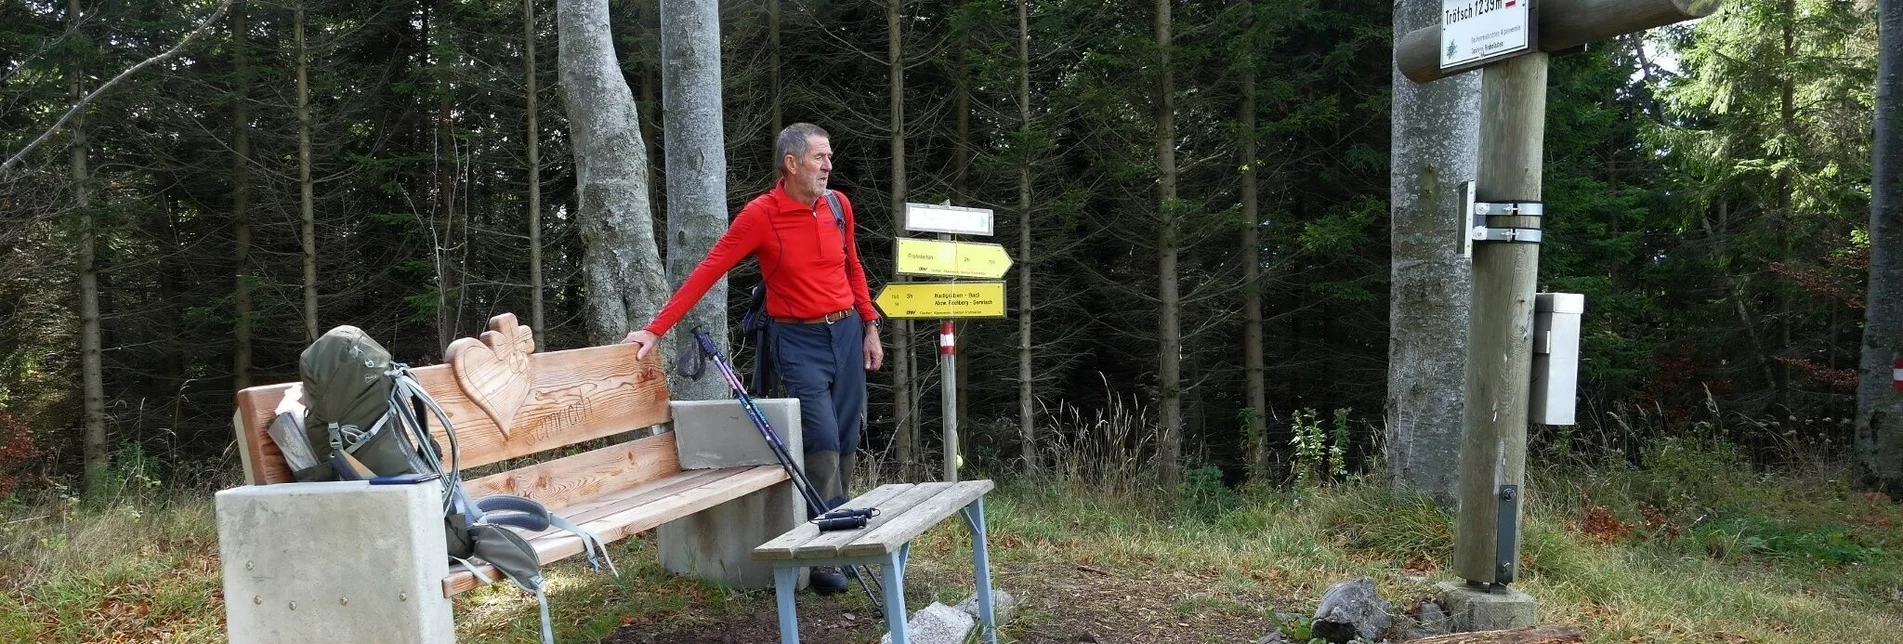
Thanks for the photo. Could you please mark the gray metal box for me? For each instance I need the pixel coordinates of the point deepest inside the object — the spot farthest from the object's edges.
(1555, 390)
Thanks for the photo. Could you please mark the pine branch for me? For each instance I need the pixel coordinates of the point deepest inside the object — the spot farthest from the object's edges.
(81, 105)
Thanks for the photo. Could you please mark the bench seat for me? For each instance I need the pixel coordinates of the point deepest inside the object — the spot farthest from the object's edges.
(635, 510)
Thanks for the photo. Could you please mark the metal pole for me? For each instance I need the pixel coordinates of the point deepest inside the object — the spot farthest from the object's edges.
(948, 386)
(1500, 333)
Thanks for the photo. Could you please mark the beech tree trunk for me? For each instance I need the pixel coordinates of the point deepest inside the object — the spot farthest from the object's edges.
(1879, 441)
(1436, 139)
(621, 263)
(696, 171)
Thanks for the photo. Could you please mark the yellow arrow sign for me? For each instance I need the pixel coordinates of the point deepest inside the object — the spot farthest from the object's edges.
(927, 257)
(943, 300)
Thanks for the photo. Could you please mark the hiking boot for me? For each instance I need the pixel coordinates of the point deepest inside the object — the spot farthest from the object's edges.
(826, 580)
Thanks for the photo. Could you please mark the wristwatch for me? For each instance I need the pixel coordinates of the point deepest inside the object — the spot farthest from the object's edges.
(876, 323)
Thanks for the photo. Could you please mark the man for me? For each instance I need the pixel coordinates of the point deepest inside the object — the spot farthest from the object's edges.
(824, 330)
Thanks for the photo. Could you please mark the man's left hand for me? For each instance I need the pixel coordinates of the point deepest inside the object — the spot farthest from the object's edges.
(875, 351)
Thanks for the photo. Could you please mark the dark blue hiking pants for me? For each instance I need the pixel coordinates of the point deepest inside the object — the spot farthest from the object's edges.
(824, 366)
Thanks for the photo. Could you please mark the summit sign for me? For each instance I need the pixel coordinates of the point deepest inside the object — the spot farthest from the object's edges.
(1477, 32)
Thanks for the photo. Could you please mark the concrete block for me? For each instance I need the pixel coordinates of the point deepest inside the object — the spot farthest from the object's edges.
(717, 544)
(1474, 609)
(718, 433)
(334, 562)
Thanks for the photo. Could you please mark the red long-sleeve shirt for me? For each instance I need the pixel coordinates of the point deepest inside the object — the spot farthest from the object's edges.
(809, 272)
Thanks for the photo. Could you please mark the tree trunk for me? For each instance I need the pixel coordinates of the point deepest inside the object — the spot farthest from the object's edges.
(1257, 429)
(1169, 330)
(305, 208)
(97, 458)
(537, 313)
(773, 66)
(1787, 125)
(961, 195)
(449, 264)
(241, 199)
(904, 368)
(621, 265)
(1879, 408)
(1436, 139)
(1027, 434)
(696, 171)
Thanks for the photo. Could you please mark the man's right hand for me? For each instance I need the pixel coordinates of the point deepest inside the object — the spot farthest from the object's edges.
(647, 341)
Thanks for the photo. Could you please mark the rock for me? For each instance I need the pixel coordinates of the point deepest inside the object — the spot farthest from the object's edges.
(1274, 637)
(1351, 609)
(1434, 620)
(1004, 606)
(937, 624)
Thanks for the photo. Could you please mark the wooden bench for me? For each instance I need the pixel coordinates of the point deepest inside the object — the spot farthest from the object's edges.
(303, 561)
(906, 511)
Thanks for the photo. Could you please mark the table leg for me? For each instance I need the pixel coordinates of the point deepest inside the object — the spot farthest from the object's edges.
(786, 579)
(981, 568)
(894, 578)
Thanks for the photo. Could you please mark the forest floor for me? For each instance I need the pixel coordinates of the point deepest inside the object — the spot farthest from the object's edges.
(1696, 547)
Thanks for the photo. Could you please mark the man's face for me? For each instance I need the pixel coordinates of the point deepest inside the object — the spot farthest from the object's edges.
(808, 173)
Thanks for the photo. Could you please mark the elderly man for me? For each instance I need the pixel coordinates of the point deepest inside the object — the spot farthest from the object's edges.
(824, 331)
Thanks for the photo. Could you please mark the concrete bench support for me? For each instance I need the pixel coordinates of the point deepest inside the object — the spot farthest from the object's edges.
(716, 544)
(334, 562)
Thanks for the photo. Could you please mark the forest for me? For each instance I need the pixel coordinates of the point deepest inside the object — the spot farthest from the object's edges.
(1710, 182)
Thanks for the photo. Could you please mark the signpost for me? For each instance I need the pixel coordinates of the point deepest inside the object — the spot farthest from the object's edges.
(1510, 39)
(952, 259)
(943, 300)
(947, 300)
(1477, 32)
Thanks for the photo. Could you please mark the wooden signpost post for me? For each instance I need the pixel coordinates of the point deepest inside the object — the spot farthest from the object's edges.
(947, 300)
(1509, 40)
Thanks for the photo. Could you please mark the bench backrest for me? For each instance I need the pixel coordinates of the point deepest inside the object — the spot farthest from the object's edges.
(507, 401)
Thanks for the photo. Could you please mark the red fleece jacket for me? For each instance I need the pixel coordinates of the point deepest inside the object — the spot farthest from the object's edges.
(809, 271)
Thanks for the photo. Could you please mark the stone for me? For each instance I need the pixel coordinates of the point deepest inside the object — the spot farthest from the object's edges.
(1004, 606)
(1434, 620)
(937, 624)
(1473, 609)
(1351, 609)
(1274, 637)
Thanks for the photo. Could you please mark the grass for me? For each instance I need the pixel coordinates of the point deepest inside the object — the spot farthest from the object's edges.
(1695, 547)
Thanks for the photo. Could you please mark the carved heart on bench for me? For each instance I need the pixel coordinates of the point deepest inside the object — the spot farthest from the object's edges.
(494, 371)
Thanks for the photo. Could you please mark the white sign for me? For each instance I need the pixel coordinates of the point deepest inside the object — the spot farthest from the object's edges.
(1472, 31)
(949, 219)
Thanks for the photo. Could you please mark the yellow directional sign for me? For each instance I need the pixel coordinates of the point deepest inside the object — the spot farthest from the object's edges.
(953, 259)
(943, 300)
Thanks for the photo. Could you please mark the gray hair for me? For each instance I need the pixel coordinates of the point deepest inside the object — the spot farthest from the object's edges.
(793, 141)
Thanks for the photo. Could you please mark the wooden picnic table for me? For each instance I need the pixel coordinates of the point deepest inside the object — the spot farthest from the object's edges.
(906, 510)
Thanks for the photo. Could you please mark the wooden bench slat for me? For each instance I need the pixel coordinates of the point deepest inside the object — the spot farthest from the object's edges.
(781, 547)
(594, 509)
(593, 474)
(828, 544)
(915, 521)
(644, 512)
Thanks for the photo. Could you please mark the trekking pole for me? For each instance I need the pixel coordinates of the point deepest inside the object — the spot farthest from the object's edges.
(814, 503)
